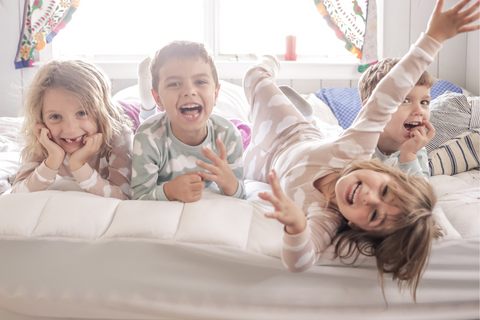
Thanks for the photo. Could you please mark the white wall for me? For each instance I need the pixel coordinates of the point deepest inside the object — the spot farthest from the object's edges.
(458, 62)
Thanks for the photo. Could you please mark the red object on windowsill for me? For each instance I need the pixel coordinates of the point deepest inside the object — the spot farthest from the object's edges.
(291, 48)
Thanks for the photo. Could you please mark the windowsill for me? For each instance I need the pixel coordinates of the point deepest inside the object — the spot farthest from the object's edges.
(305, 70)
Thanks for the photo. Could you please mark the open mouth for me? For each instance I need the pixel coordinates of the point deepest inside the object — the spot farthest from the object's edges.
(409, 126)
(352, 195)
(75, 140)
(191, 110)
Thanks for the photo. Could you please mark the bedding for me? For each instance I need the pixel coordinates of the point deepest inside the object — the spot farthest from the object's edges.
(75, 255)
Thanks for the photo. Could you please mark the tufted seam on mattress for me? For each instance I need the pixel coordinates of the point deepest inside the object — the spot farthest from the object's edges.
(100, 236)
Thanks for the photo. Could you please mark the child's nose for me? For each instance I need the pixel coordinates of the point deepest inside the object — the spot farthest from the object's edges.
(418, 110)
(190, 90)
(370, 199)
(70, 126)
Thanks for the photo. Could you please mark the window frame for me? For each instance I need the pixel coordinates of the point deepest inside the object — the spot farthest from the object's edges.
(229, 66)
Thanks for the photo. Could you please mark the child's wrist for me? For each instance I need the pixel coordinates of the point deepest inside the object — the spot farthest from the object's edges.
(296, 227)
(166, 190)
(231, 189)
(407, 156)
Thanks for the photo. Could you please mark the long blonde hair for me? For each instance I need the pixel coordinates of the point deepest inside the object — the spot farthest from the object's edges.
(403, 249)
(89, 85)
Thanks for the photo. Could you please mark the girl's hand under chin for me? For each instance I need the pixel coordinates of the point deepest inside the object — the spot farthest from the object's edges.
(91, 145)
(56, 154)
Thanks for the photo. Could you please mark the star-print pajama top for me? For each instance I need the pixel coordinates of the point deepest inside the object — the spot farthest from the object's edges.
(284, 141)
(107, 176)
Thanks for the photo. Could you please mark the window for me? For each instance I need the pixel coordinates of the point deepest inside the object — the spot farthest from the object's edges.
(125, 30)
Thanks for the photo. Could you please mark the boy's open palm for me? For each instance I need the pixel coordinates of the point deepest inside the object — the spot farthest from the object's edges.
(56, 154)
(447, 24)
(91, 145)
(186, 188)
(221, 173)
(286, 210)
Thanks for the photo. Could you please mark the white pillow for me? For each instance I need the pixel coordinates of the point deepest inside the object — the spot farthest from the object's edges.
(9, 164)
(232, 103)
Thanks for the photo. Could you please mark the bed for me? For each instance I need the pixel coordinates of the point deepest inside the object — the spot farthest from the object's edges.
(66, 254)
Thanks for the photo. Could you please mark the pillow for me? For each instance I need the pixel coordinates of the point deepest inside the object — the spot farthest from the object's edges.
(442, 86)
(132, 110)
(9, 165)
(345, 102)
(459, 154)
(452, 114)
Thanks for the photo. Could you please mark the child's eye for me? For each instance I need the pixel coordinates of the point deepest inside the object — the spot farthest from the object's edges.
(82, 113)
(201, 82)
(406, 100)
(425, 102)
(374, 216)
(54, 117)
(385, 191)
(173, 84)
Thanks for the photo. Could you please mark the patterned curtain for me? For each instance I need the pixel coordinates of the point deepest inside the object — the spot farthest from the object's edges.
(42, 21)
(355, 23)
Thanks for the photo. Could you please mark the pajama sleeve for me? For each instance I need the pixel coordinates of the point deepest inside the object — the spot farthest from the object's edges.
(147, 161)
(417, 167)
(117, 184)
(34, 176)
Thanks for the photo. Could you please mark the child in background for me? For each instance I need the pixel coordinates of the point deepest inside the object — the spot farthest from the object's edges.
(74, 130)
(179, 152)
(339, 194)
(405, 136)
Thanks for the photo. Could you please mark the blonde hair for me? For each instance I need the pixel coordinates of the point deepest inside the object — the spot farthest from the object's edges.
(180, 49)
(403, 249)
(89, 85)
(372, 76)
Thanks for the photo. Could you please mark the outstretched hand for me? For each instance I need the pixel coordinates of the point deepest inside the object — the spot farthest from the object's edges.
(286, 210)
(56, 154)
(447, 24)
(221, 173)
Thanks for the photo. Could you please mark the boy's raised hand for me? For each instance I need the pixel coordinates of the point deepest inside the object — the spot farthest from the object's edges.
(221, 173)
(186, 188)
(56, 154)
(447, 24)
(419, 137)
(91, 145)
(286, 210)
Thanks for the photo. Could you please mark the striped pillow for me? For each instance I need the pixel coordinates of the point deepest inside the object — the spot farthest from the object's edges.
(457, 155)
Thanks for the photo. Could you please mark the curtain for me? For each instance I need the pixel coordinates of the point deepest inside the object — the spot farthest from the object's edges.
(42, 21)
(355, 23)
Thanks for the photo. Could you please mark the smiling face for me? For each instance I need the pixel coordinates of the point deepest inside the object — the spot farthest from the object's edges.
(67, 120)
(414, 110)
(363, 198)
(187, 92)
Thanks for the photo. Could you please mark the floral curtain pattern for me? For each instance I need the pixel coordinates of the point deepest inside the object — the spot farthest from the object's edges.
(355, 23)
(42, 21)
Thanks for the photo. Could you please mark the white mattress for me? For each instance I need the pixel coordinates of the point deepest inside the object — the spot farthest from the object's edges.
(75, 255)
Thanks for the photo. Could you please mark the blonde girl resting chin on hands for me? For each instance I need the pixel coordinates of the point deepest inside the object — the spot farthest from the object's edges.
(74, 130)
(329, 190)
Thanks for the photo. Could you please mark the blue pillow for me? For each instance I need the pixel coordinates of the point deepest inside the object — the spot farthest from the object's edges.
(442, 86)
(346, 104)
